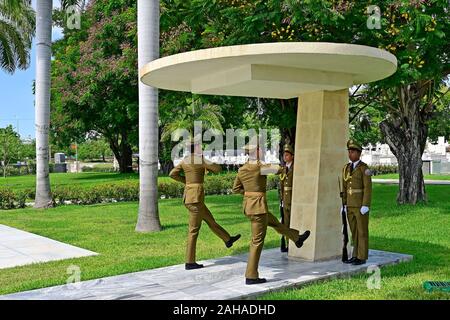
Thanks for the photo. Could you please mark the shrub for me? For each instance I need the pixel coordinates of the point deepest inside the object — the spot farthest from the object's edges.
(120, 191)
(99, 168)
(272, 182)
(21, 197)
(383, 169)
(90, 196)
(30, 168)
(170, 189)
(217, 185)
(7, 198)
(10, 199)
(60, 194)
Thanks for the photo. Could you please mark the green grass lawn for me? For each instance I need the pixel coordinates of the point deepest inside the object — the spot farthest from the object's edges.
(83, 178)
(422, 231)
(427, 177)
(87, 179)
(108, 229)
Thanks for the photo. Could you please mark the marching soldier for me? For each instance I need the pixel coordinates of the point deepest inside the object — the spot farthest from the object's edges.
(286, 178)
(194, 167)
(251, 181)
(357, 194)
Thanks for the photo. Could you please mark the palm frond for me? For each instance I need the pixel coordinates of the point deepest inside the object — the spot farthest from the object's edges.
(17, 24)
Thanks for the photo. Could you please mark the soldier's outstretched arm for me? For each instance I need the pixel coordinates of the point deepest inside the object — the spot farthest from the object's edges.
(238, 187)
(213, 167)
(175, 174)
(267, 169)
(280, 170)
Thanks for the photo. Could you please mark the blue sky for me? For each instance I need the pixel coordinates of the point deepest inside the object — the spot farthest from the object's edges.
(17, 100)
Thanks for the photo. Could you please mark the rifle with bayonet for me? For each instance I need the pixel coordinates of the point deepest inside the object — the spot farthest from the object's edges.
(344, 225)
(280, 193)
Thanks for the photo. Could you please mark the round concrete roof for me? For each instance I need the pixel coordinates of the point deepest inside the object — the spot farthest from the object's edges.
(270, 70)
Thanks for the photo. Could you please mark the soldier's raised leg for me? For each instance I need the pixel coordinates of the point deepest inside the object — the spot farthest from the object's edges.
(287, 219)
(217, 228)
(290, 233)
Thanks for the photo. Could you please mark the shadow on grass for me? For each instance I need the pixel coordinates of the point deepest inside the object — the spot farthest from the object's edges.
(106, 176)
(169, 226)
(427, 257)
(224, 222)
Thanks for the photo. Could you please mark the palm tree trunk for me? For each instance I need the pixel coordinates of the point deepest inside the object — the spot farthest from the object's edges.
(148, 50)
(42, 112)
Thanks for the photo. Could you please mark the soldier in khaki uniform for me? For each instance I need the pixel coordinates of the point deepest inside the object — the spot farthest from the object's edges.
(251, 181)
(286, 178)
(357, 196)
(194, 167)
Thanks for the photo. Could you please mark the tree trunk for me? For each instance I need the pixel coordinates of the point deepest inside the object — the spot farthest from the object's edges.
(148, 50)
(123, 154)
(42, 113)
(406, 134)
(167, 166)
(287, 134)
(126, 158)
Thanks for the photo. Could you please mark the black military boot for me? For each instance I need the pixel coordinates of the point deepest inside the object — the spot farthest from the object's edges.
(350, 260)
(233, 239)
(190, 266)
(357, 262)
(302, 238)
(283, 247)
(255, 281)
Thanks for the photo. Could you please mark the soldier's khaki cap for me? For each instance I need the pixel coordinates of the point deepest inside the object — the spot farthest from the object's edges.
(288, 148)
(352, 144)
(252, 144)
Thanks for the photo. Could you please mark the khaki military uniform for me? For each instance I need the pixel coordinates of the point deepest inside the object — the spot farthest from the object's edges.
(194, 168)
(357, 193)
(252, 184)
(286, 179)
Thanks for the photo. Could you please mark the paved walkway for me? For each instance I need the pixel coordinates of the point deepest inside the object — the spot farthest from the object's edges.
(395, 181)
(221, 279)
(19, 248)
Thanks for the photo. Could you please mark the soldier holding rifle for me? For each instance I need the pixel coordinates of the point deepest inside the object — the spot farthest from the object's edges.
(357, 195)
(286, 179)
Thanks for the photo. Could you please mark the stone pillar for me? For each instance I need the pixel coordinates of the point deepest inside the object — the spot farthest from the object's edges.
(320, 154)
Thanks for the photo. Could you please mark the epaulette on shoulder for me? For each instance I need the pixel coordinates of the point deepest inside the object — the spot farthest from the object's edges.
(365, 169)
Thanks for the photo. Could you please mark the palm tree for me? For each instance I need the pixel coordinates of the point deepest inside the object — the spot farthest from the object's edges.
(148, 50)
(80, 3)
(16, 33)
(209, 114)
(42, 113)
(44, 8)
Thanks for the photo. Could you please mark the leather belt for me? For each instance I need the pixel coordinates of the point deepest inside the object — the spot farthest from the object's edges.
(194, 184)
(254, 193)
(350, 191)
